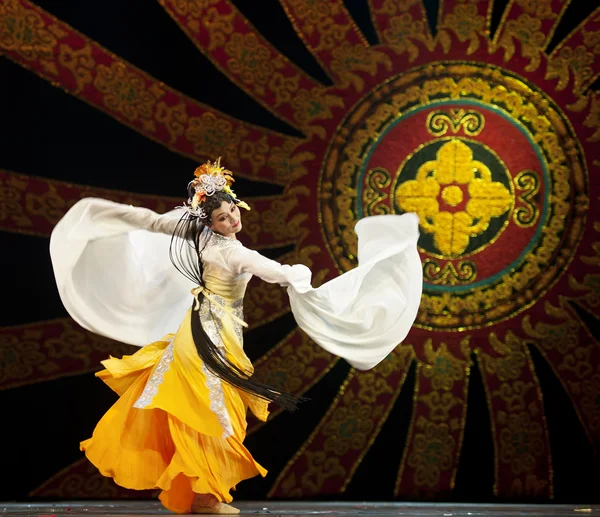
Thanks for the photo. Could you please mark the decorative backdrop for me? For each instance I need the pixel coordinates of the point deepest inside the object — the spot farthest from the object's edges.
(483, 117)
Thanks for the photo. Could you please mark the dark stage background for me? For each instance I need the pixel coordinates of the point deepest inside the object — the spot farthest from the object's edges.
(327, 112)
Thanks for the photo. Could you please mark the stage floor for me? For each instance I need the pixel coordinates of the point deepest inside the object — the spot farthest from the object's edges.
(299, 509)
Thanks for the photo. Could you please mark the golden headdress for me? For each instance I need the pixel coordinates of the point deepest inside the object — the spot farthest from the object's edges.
(209, 179)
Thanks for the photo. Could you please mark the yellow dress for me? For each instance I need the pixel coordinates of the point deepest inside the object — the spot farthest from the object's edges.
(176, 426)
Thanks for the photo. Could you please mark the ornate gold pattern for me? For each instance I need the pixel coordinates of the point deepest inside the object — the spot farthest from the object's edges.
(348, 59)
(402, 32)
(80, 62)
(464, 272)
(592, 120)
(295, 364)
(522, 455)
(532, 24)
(429, 461)
(270, 218)
(402, 25)
(43, 351)
(25, 32)
(520, 441)
(433, 452)
(541, 9)
(81, 480)
(324, 27)
(327, 23)
(454, 165)
(563, 345)
(527, 30)
(529, 183)
(34, 205)
(533, 113)
(289, 365)
(215, 136)
(577, 56)
(441, 367)
(251, 61)
(125, 92)
(471, 122)
(373, 197)
(314, 104)
(591, 395)
(466, 23)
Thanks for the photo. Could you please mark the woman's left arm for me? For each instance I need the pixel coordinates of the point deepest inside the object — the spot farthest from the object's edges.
(240, 260)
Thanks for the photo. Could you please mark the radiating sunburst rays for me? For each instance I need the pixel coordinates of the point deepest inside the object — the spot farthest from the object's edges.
(330, 456)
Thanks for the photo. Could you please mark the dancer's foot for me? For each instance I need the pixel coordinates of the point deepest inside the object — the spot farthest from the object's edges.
(209, 504)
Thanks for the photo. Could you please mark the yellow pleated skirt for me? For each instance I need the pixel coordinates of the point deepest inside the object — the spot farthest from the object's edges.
(175, 426)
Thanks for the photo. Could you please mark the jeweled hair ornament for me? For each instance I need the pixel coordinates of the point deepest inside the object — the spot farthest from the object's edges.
(210, 178)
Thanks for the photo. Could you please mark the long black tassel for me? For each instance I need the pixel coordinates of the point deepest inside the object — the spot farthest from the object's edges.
(218, 364)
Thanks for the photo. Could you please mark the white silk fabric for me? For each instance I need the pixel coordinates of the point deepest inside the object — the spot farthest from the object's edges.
(114, 276)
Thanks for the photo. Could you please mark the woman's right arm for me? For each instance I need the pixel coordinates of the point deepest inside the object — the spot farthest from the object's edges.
(146, 219)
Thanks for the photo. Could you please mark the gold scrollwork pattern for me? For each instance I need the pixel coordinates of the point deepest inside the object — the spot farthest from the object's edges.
(222, 33)
(464, 272)
(33, 205)
(526, 215)
(373, 196)
(429, 461)
(466, 22)
(532, 23)
(567, 347)
(26, 32)
(592, 119)
(470, 121)
(577, 56)
(351, 59)
(402, 26)
(522, 452)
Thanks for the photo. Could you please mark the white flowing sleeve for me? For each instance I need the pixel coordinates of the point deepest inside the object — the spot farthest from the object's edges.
(368, 311)
(113, 273)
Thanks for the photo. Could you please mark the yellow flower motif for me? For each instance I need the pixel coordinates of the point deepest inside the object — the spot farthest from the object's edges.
(445, 181)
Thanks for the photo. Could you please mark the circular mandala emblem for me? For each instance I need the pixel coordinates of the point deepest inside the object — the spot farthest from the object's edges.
(492, 168)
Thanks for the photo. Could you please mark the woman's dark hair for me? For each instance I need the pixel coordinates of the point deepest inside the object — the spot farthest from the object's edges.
(187, 245)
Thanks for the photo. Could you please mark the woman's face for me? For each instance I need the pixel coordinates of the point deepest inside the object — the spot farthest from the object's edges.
(226, 219)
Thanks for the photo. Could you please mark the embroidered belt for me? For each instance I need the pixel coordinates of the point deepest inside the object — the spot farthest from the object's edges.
(208, 294)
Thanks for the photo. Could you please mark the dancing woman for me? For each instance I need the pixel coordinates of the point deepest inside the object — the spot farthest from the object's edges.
(180, 420)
